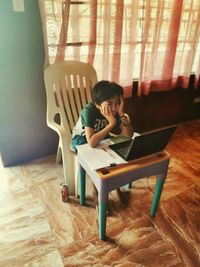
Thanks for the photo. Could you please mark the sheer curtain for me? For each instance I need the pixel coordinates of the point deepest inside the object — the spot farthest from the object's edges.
(155, 42)
(170, 44)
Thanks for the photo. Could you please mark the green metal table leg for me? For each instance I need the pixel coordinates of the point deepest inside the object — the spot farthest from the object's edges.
(102, 220)
(82, 185)
(156, 196)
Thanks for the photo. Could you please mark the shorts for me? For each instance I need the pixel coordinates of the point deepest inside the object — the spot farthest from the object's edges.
(78, 140)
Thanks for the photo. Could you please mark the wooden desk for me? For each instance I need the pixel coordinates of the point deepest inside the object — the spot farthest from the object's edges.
(108, 179)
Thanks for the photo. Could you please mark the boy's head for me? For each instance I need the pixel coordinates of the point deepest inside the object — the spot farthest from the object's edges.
(109, 94)
(105, 90)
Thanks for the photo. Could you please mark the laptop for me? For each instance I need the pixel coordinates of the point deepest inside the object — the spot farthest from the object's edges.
(144, 144)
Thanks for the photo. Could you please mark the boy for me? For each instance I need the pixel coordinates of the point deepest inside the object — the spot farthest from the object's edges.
(104, 115)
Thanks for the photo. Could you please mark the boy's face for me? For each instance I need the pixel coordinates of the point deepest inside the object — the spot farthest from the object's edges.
(112, 103)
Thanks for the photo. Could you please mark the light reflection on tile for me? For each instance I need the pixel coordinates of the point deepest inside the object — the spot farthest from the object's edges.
(24, 229)
(132, 242)
(51, 259)
(179, 220)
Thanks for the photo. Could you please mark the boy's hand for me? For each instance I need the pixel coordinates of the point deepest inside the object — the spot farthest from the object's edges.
(107, 113)
(121, 106)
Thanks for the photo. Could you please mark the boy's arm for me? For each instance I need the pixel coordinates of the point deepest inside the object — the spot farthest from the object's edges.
(93, 138)
(126, 127)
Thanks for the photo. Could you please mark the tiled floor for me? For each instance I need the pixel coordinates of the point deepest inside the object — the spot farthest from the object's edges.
(38, 229)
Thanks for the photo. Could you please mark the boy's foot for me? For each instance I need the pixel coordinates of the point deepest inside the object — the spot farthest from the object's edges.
(95, 196)
(122, 198)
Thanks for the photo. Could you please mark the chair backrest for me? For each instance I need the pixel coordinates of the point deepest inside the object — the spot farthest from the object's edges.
(68, 88)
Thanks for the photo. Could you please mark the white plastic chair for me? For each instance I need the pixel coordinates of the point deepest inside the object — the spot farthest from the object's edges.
(68, 88)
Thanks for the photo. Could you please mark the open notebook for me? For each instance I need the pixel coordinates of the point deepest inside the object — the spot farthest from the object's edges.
(145, 144)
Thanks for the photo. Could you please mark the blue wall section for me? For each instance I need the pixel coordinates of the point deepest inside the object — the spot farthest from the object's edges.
(23, 132)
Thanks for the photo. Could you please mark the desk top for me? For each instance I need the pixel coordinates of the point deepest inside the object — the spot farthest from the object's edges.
(108, 172)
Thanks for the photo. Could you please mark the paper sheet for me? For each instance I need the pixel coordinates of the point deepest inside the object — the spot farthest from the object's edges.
(100, 156)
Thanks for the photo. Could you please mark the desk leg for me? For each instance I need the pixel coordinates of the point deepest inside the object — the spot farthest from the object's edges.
(102, 219)
(82, 185)
(160, 180)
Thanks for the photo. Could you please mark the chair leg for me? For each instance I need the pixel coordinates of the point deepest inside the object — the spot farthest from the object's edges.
(76, 185)
(59, 155)
(68, 168)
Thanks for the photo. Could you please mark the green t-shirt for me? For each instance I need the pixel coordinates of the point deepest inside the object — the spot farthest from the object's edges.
(91, 117)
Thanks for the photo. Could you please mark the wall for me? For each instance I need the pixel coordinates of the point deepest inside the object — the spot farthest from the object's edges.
(23, 132)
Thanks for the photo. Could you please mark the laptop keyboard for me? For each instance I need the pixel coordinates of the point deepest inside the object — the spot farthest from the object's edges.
(123, 151)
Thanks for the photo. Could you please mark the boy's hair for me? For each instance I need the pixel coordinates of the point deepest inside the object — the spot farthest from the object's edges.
(105, 90)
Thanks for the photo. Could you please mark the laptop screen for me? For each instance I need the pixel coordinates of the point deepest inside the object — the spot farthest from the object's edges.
(145, 144)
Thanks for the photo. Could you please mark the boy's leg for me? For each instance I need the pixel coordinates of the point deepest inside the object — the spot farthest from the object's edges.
(121, 197)
(96, 201)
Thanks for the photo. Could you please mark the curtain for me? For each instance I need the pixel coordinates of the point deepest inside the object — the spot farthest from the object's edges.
(170, 45)
(152, 41)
